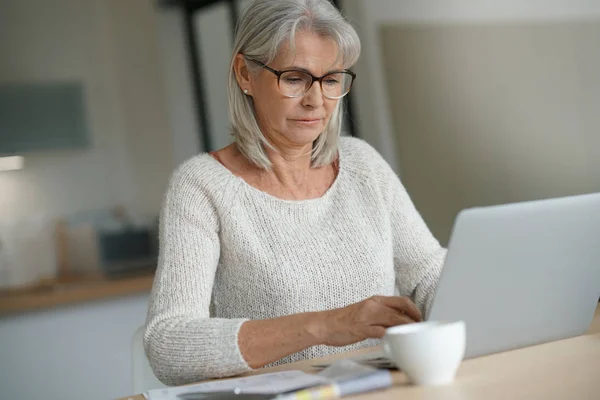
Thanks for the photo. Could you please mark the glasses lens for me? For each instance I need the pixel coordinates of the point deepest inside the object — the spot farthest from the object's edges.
(336, 85)
(297, 83)
(294, 83)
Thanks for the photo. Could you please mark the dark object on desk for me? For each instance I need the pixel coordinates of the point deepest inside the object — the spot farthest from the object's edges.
(380, 363)
(128, 251)
(375, 362)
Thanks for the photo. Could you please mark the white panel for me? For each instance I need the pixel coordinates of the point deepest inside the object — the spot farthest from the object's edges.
(479, 10)
(214, 34)
(368, 15)
(178, 87)
(71, 353)
(489, 114)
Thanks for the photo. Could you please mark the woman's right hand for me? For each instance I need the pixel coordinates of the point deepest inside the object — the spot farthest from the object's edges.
(366, 319)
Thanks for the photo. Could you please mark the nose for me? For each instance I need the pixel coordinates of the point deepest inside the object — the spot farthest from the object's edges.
(314, 97)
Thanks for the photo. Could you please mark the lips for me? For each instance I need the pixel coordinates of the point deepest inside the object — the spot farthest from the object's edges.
(307, 119)
(307, 122)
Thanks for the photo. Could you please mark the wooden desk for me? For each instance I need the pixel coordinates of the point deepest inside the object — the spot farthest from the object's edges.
(565, 369)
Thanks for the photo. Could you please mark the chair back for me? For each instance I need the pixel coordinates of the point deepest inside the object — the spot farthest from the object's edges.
(143, 376)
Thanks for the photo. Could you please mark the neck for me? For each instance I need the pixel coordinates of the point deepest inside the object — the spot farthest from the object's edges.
(290, 164)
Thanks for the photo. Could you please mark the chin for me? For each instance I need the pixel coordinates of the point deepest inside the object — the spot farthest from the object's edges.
(304, 136)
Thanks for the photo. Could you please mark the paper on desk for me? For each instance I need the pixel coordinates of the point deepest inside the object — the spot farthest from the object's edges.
(349, 376)
(273, 383)
(352, 378)
(345, 369)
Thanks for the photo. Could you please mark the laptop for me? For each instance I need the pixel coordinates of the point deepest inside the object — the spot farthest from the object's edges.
(520, 274)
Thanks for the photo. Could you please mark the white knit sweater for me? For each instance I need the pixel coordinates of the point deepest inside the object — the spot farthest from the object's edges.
(230, 252)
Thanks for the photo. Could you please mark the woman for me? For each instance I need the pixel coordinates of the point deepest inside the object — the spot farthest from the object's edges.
(290, 243)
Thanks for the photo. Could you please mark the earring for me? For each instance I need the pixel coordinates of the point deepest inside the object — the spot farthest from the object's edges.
(245, 91)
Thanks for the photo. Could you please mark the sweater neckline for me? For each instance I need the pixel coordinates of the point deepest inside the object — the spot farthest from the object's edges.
(274, 199)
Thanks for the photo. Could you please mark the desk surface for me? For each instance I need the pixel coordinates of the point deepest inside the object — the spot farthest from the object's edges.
(563, 369)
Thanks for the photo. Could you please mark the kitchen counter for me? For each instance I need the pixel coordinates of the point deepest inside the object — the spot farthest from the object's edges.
(72, 291)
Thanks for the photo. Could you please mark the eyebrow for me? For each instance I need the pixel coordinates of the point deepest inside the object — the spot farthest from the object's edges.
(296, 68)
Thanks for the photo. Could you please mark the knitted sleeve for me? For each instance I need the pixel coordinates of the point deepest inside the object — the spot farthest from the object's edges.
(182, 342)
(418, 256)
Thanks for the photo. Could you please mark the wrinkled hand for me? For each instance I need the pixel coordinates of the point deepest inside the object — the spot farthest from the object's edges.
(366, 319)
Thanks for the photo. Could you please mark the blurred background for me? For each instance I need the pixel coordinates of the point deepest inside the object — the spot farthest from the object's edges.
(471, 102)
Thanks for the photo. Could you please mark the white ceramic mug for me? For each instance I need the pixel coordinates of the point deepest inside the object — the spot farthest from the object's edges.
(429, 353)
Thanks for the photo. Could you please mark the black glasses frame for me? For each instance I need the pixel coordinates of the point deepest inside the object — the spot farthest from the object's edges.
(314, 78)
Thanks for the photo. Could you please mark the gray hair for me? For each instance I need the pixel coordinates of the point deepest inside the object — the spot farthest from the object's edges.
(261, 30)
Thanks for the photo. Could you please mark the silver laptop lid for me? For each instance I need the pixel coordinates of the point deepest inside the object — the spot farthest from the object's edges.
(523, 273)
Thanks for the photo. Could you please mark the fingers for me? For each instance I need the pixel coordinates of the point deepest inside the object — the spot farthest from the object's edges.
(402, 304)
(376, 332)
(389, 318)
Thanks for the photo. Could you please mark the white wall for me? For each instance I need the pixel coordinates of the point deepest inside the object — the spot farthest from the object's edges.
(494, 113)
(375, 113)
(65, 39)
(457, 142)
(213, 30)
(119, 65)
(177, 82)
(142, 97)
(70, 353)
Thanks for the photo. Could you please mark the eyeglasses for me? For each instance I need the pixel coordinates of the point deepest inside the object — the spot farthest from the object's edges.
(296, 83)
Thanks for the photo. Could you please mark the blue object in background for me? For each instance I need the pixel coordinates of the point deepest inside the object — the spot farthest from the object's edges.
(42, 116)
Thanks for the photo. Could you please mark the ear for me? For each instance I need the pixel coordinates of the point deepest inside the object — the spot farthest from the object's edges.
(242, 74)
